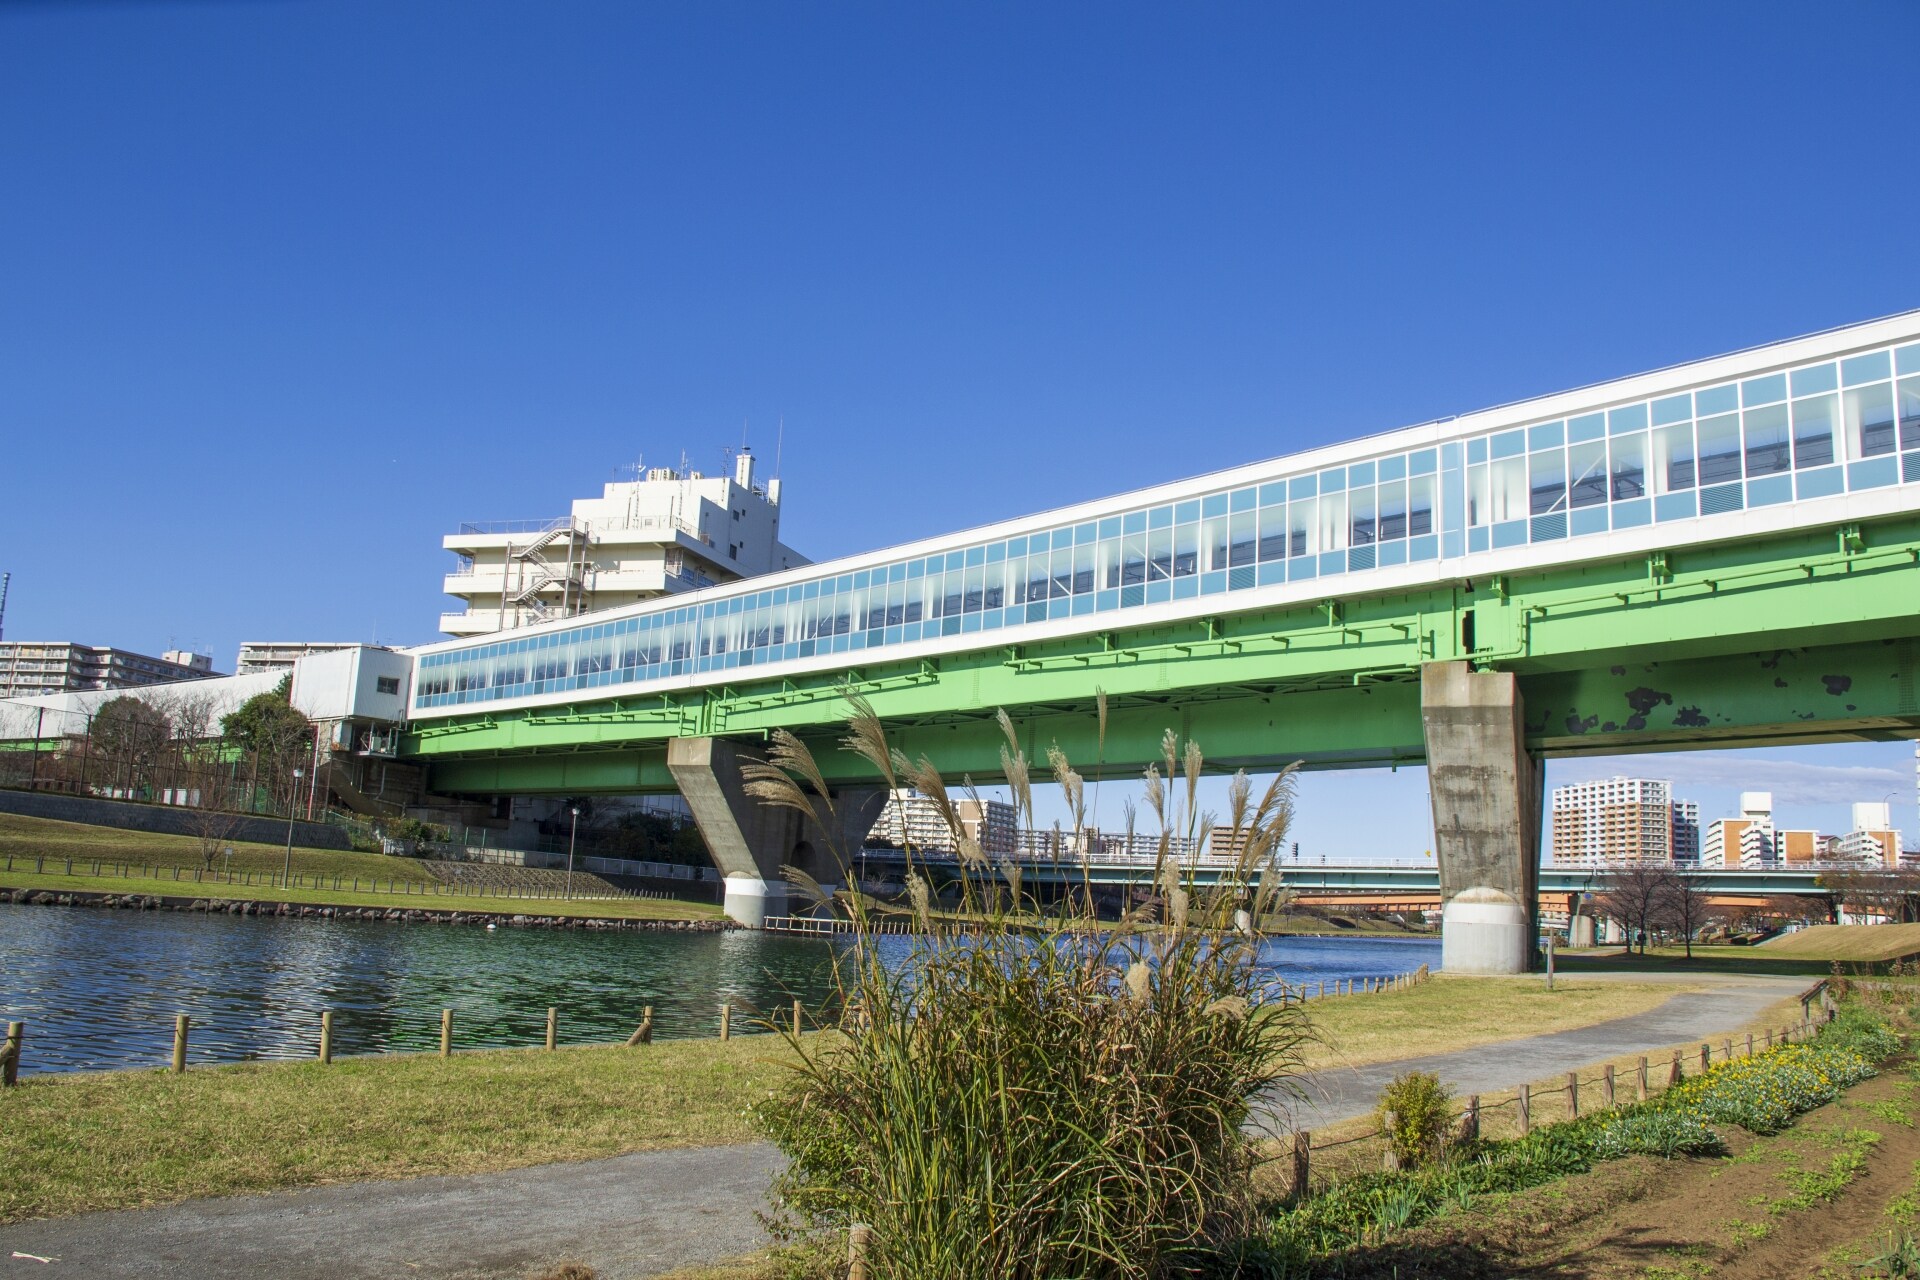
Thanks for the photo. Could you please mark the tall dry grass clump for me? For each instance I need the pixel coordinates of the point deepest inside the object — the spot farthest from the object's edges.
(1033, 1097)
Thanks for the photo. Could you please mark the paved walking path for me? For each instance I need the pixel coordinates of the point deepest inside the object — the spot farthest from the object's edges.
(640, 1215)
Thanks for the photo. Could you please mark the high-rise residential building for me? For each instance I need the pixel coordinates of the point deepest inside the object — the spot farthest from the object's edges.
(29, 668)
(669, 530)
(1749, 840)
(1623, 820)
(911, 818)
(1873, 840)
(280, 655)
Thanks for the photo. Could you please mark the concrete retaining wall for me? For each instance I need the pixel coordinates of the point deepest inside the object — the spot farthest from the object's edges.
(163, 819)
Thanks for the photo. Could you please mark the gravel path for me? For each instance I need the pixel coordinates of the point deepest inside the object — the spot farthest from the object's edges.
(644, 1214)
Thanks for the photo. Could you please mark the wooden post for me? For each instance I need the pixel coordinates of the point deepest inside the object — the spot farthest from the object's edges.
(1726, 1051)
(1706, 1056)
(1769, 1039)
(1673, 1076)
(796, 1015)
(726, 1020)
(1573, 1095)
(642, 1034)
(859, 1235)
(1749, 1044)
(1389, 1121)
(180, 1024)
(1302, 1172)
(1470, 1122)
(553, 1027)
(1640, 1085)
(1526, 1110)
(1606, 1087)
(16, 1039)
(446, 1033)
(326, 1036)
(1550, 960)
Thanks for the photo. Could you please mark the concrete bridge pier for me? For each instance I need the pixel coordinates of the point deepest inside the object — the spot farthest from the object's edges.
(1486, 793)
(750, 841)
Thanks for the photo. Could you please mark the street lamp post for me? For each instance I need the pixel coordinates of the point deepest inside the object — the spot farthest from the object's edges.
(573, 832)
(286, 873)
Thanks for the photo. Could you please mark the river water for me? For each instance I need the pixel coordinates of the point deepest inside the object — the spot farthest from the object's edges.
(100, 989)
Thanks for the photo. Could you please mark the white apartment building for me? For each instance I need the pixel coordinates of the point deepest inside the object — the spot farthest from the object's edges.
(911, 819)
(666, 532)
(35, 668)
(1873, 840)
(280, 655)
(1623, 820)
(1749, 840)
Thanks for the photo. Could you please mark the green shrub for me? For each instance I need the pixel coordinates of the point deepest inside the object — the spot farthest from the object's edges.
(1071, 1104)
(1422, 1111)
(1648, 1130)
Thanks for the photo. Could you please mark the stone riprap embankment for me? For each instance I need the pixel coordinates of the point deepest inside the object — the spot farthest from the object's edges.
(313, 911)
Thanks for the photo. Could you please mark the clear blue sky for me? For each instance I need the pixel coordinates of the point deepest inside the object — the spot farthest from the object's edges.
(288, 289)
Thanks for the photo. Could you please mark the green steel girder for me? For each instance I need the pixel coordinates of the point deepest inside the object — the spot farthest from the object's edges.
(1733, 643)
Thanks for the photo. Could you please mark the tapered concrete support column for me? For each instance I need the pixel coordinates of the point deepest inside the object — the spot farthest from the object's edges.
(1486, 818)
(750, 841)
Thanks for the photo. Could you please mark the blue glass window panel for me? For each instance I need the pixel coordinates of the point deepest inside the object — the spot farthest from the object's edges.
(1510, 533)
(1476, 540)
(1332, 562)
(1106, 600)
(1272, 495)
(1133, 597)
(1716, 400)
(1907, 359)
(1910, 468)
(1360, 475)
(1359, 558)
(1110, 527)
(1037, 611)
(1632, 417)
(1508, 444)
(1082, 533)
(1588, 426)
(1764, 390)
(843, 583)
(892, 636)
(1872, 473)
(1214, 504)
(1016, 546)
(1672, 409)
(1057, 607)
(1815, 379)
(1242, 499)
(1160, 518)
(1185, 512)
(1274, 571)
(859, 584)
(990, 620)
(1588, 520)
(1449, 456)
(1868, 368)
(1769, 491)
(1302, 568)
(1134, 522)
(1394, 468)
(1213, 583)
(976, 556)
(1392, 553)
(1549, 528)
(1719, 499)
(1061, 538)
(1300, 487)
(1476, 451)
(1546, 435)
(1821, 483)
(1082, 605)
(1162, 591)
(1186, 588)
(1421, 461)
(997, 553)
(1240, 577)
(1333, 479)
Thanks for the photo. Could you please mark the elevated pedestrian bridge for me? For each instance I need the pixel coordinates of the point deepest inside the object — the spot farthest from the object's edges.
(1722, 553)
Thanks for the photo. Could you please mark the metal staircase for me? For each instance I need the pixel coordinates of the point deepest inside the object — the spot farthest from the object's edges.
(544, 574)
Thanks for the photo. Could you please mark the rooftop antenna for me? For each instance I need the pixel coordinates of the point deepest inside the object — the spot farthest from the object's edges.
(779, 443)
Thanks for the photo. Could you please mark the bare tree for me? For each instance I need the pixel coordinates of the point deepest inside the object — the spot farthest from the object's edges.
(1684, 907)
(1636, 896)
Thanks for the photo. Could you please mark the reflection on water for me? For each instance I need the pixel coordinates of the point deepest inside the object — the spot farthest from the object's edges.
(100, 989)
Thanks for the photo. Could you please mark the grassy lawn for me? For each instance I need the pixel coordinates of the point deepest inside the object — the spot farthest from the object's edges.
(128, 1138)
(36, 837)
(1847, 942)
(1453, 1013)
(185, 887)
(1756, 960)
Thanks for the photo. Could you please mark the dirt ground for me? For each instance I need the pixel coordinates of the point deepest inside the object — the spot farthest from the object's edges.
(1815, 1201)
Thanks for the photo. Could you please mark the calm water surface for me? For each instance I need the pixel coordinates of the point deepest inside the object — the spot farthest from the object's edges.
(99, 989)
